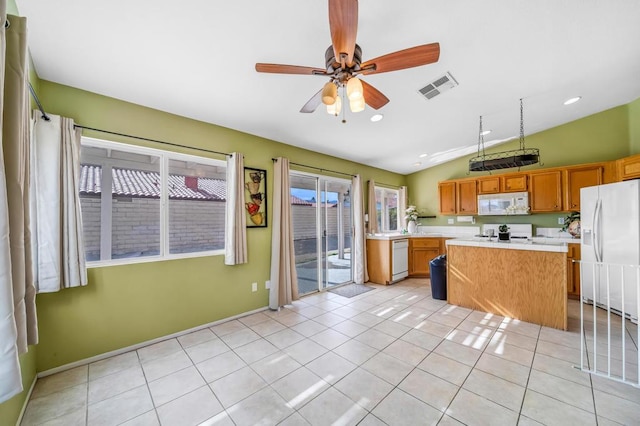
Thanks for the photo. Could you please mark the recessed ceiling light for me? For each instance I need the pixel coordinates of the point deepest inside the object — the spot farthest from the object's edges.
(422, 155)
(377, 117)
(417, 164)
(572, 100)
(485, 133)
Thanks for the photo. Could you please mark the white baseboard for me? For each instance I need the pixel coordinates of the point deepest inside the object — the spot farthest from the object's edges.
(141, 345)
(26, 401)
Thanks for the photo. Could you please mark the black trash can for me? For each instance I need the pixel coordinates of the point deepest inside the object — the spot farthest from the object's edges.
(438, 271)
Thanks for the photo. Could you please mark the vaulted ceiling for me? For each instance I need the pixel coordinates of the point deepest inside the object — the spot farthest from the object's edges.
(197, 59)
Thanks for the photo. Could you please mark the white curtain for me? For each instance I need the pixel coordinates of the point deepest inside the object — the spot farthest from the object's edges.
(402, 207)
(235, 233)
(18, 325)
(284, 279)
(58, 245)
(371, 207)
(360, 275)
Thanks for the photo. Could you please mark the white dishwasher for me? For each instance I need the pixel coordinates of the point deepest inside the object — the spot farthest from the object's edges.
(399, 259)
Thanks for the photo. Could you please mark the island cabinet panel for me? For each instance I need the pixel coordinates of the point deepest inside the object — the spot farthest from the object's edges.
(489, 185)
(546, 192)
(573, 271)
(447, 195)
(514, 183)
(421, 252)
(576, 178)
(466, 197)
(526, 285)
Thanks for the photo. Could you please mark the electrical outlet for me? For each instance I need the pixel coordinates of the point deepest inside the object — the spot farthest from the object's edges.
(561, 221)
(254, 286)
(267, 284)
(450, 221)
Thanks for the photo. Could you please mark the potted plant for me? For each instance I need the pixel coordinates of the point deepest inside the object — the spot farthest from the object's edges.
(411, 216)
(572, 224)
(503, 232)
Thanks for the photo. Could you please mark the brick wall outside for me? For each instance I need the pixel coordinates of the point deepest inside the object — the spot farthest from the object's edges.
(193, 226)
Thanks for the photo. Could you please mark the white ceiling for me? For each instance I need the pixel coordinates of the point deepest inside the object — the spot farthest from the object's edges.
(196, 59)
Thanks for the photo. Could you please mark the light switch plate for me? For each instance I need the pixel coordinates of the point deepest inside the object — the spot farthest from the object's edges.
(450, 221)
(561, 221)
(254, 286)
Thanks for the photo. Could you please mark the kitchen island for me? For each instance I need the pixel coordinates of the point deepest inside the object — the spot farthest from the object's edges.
(521, 280)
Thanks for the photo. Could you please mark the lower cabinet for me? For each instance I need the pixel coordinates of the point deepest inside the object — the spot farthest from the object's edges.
(573, 271)
(379, 258)
(421, 252)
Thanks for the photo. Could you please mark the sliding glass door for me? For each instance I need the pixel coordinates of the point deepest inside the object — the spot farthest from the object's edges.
(322, 231)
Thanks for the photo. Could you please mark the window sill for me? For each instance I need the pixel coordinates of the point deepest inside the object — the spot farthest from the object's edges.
(148, 259)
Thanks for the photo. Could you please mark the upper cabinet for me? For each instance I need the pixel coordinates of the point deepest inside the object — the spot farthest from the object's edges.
(546, 191)
(489, 185)
(629, 167)
(447, 196)
(580, 177)
(514, 183)
(466, 197)
(550, 190)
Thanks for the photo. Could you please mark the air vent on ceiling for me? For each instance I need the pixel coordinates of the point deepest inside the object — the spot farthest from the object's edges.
(439, 85)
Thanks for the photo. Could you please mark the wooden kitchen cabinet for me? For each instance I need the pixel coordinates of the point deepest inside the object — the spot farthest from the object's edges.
(546, 191)
(421, 252)
(489, 185)
(447, 196)
(379, 261)
(580, 177)
(629, 167)
(573, 271)
(514, 182)
(466, 197)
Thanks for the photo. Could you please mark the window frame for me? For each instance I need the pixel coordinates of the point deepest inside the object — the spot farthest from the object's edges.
(164, 157)
(384, 209)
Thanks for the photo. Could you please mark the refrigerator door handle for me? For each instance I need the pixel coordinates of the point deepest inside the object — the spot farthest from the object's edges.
(599, 244)
(596, 235)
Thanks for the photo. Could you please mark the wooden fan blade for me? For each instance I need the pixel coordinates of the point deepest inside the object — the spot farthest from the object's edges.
(407, 58)
(373, 97)
(313, 103)
(343, 22)
(289, 69)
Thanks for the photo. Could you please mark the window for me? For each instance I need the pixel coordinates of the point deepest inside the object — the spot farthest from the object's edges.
(387, 209)
(161, 204)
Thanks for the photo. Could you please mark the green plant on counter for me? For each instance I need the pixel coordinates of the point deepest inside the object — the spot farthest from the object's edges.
(569, 219)
(503, 228)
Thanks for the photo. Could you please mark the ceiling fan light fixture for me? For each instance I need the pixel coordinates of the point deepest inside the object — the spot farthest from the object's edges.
(356, 105)
(354, 89)
(329, 93)
(335, 108)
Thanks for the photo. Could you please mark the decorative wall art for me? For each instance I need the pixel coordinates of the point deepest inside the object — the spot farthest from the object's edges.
(255, 197)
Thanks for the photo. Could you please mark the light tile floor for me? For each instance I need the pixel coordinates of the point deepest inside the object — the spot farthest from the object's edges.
(390, 356)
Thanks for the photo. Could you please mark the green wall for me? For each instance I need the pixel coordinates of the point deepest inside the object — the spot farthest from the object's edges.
(10, 410)
(160, 298)
(599, 137)
(634, 126)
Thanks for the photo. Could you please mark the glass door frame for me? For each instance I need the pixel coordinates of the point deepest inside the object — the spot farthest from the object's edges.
(321, 219)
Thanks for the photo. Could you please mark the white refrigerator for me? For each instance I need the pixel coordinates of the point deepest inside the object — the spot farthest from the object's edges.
(610, 223)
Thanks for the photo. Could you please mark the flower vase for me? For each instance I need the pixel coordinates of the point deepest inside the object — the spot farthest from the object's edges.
(412, 227)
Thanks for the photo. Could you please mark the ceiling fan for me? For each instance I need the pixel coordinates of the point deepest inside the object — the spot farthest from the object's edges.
(343, 61)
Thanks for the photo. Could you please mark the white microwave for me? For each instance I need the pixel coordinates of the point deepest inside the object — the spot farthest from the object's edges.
(511, 203)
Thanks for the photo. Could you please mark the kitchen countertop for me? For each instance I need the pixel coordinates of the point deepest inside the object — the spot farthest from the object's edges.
(530, 245)
(398, 236)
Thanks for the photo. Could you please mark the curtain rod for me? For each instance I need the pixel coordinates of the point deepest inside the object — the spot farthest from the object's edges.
(35, 98)
(151, 140)
(318, 168)
(387, 184)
